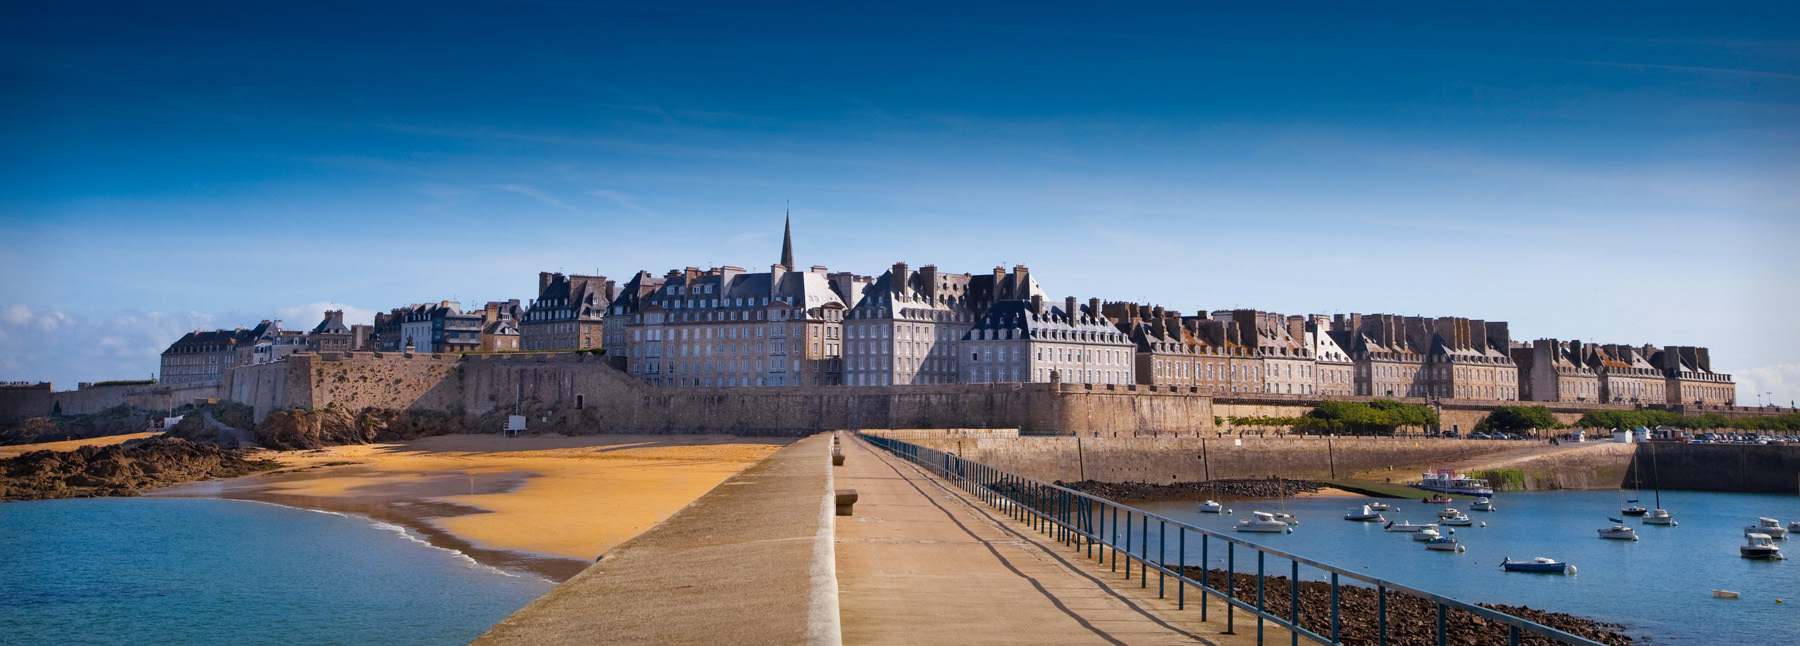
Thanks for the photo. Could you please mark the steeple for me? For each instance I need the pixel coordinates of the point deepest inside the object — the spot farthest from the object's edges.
(787, 242)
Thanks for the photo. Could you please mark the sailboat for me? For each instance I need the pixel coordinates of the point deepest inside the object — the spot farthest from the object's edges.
(1631, 507)
(1658, 516)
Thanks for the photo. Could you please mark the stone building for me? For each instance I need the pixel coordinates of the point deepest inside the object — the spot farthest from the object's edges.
(1027, 341)
(1555, 371)
(567, 314)
(906, 327)
(1441, 358)
(500, 326)
(621, 313)
(1626, 375)
(1167, 349)
(331, 335)
(1275, 357)
(727, 327)
(1335, 372)
(206, 357)
(1689, 378)
(428, 328)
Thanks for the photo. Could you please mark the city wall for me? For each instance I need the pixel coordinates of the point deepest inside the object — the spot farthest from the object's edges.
(40, 400)
(1715, 467)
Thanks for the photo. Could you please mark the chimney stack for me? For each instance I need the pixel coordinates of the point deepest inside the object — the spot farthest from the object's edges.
(1069, 309)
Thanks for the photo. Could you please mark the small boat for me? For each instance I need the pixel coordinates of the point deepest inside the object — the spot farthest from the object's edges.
(1426, 534)
(1660, 517)
(1378, 506)
(1211, 507)
(1449, 512)
(1768, 526)
(1443, 544)
(1460, 520)
(1436, 499)
(1286, 517)
(1449, 481)
(1539, 564)
(1794, 527)
(1264, 523)
(1367, 514)
(1619, 533)
(1760, 546)
(1633, 509)
(1724, 594)
(1482, 504)
(1405, 526)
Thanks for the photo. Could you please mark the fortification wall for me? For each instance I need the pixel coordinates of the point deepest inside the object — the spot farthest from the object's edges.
(1715, 467)
(19, 401)
(357, 380)
(1192, 459)
(38, 400)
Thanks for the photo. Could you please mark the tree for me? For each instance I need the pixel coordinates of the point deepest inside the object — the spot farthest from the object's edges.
(1519, 418)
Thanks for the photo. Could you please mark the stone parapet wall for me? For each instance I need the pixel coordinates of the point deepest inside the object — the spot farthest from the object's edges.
(19, 402)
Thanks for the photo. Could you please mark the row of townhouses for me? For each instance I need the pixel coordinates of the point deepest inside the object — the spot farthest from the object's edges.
(729, 327)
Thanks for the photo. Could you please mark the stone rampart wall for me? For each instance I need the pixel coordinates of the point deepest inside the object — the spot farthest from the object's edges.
(1715, 467)
(35, 401)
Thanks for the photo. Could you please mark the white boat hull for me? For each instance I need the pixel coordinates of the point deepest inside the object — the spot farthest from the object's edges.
(1260, 527)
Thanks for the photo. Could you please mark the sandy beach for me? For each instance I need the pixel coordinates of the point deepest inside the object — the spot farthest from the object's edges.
(70, 445)
(546, 504)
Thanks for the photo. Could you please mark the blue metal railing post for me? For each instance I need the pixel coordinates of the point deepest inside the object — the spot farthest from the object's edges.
(1162, 555)
(1128, 545)
(1181, 566)
(1260, 610)
(1442, 634)
(1294, 602)
(1144, 560)
(1230, 586)
(1205, 573)
(1381, 614)
(1335, 636)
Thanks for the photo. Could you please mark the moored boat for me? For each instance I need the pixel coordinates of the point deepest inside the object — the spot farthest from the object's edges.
(1768, 526)
(1618, 533)
(1378, 506)
(1366, 514)
(1264, 523)
(1443, 544)
(1426, 534)
(1460, 520)
(1211, 507)
(1285, 517)
(1759, 546)
(1539, 564)
(1449, 512)
(1660, 517)
(1405, 526)
(1449, 481)
(1482, 504)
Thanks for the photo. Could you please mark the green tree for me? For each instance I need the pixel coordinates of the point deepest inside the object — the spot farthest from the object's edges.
(1519, 418)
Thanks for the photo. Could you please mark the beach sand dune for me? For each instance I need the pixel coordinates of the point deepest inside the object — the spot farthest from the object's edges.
(544, 504)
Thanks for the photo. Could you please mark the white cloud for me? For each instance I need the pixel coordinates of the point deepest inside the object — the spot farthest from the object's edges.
(626, 201)
(18, 314)
(1777, 383)
(65, 349)
(535, 194)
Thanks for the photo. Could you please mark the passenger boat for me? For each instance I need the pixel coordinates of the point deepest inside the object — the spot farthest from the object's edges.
(1482, 504)
(1405, 526)
(1539, 564)
(1443, 544)
(1768, 526)
(1211, 507)
(1264, 523)
(1459, 520)
(1449, 481)
(1366, 515)
(1619, 533)
(1426, 534)
(1759, 546)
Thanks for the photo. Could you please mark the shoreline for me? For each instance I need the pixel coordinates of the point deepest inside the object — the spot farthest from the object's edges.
(543, 506)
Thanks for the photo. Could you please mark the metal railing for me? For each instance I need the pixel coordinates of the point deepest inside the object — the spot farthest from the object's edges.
(1093, 526)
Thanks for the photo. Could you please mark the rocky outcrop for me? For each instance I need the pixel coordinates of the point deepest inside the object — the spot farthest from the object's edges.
(1411, 621)
(295, 429)
(120, 469)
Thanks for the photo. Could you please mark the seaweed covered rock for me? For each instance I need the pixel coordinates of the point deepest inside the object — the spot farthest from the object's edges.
(120, 469)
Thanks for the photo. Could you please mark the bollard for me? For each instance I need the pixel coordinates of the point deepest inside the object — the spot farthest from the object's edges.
(837, 459)
(846, 498)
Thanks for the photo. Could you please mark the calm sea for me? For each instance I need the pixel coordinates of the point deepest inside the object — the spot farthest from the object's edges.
(1660, 586)
(204, 571)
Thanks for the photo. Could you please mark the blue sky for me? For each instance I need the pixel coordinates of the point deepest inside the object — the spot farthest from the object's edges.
(1618, 174)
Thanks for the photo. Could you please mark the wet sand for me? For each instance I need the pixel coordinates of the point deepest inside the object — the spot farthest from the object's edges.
(547, 505)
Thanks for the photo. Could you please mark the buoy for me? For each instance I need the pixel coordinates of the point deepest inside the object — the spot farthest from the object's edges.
(1453, 531)
(1777, 601)
(1462, 548)
(1484, 523)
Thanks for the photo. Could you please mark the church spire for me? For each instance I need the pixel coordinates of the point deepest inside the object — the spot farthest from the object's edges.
(787, 242)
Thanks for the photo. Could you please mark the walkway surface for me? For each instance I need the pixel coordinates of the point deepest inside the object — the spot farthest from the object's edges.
(748, 563)
(922, 562)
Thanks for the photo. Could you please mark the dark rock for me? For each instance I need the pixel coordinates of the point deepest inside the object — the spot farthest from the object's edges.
(120, 469)
(1242, 488)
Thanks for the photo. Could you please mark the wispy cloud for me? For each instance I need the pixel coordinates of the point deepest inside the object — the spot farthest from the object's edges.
(1778, 383)
(538, 195)
(64, 348)
(625, 201)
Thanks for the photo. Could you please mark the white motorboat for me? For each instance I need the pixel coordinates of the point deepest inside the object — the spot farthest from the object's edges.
(1405, 526)
(1449, 481)
(1378, 506)
(1482, 504)
(1760, 546)
(1460, 520)
(1443, 544)
(1768, 526)
(1449, 512)
(1660, 517)
(1619, 533)
(1286, 517)
(1367, 514)
(1264, 523)
(1426, 534)
(1211, 507)
(1794, 527)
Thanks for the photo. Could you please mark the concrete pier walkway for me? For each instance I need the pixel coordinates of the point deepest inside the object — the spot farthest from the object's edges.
(748, 563)
(922, 562)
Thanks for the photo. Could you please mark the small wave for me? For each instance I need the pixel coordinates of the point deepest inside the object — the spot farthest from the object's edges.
(409, 535)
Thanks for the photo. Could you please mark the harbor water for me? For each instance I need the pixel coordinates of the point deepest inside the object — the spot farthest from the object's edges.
(1660, 587)
(206, 571)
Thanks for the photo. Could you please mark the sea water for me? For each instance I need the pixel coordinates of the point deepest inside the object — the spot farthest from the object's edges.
(1660, 586)
(208, 571)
